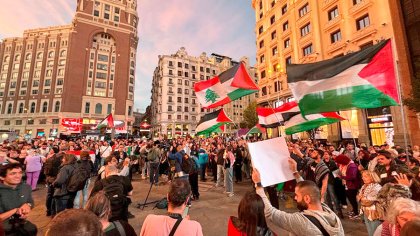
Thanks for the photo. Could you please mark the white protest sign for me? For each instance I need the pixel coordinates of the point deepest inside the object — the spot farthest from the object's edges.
(270, 157)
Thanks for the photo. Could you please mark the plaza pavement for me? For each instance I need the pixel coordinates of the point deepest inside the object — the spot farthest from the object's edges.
(212, 210)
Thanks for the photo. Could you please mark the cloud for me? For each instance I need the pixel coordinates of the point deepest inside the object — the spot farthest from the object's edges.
(216, 26)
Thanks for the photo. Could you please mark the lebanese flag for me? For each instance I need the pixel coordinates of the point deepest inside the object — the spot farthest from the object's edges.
(274, 117)
(107, 122)
(230, 85)
(212, 122)
(77, 154)
(299, 124)
(364, 79)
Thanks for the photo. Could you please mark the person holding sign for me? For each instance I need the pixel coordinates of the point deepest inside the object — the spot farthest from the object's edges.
(314, 218)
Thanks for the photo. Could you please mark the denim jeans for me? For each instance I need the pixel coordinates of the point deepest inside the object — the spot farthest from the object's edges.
(331, 199)
(146, 168)
(85, 192)
(220, 175)
(49, 202)
(371, 225)
(229, 180)
(154, 172)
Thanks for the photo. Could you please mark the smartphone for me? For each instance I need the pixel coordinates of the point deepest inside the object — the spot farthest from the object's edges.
(185, 213)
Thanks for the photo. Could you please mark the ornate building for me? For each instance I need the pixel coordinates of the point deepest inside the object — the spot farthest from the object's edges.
(175, 108)
(305, 31)
(65, 79)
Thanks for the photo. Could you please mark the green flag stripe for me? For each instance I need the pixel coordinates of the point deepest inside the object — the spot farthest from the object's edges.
(236, 94)
(310, 125)
(210, 129)
(364, 96)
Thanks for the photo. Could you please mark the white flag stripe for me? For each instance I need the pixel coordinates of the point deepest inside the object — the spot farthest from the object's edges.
(298, 119)
(217, 88)
(346, 79)
(271, 119)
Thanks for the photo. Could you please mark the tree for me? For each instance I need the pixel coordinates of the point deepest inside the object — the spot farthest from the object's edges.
(211, 96)
(250, 115)
(413, 102)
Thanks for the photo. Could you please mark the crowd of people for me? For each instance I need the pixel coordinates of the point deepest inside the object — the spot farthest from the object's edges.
(88, 182)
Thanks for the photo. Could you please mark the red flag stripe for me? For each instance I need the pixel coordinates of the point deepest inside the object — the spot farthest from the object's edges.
(199, 86)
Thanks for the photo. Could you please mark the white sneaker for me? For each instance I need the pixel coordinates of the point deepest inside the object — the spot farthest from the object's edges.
(231, 194)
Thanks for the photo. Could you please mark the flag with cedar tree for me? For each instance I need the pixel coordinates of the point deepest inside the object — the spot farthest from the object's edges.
(230, 85)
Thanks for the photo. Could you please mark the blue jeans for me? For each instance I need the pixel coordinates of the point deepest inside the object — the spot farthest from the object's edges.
(229, 180)
(371, 225)
(154, 172)
(331, 199)
(85, 192)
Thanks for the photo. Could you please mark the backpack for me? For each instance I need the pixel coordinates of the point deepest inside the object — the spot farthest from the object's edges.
(52, 165)
(114, 190)
(189, 166)
(162, 204)
(79, 176)
(153, 154)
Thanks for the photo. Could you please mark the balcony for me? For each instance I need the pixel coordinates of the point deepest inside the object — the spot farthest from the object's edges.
(363, 33)
(332, 23)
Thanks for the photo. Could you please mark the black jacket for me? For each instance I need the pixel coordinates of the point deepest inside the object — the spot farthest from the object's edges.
(60, 183)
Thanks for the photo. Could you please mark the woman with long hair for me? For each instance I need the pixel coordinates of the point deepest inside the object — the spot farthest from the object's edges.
(251, 219)
(100, 205)
(63, 199)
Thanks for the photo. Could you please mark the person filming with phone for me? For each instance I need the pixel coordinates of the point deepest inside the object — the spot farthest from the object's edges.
(176, 222)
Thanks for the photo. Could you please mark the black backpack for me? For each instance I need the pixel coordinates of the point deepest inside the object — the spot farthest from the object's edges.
(114, 190)
(52, 165)
(79, 176)
(189, 166)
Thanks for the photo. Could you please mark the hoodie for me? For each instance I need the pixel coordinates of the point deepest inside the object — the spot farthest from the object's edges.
(297, 224)
(13, 198)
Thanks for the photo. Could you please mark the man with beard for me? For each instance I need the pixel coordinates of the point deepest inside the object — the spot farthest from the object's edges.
(314, 218)
(316, 170)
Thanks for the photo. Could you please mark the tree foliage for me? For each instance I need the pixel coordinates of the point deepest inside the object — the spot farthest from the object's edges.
(250, 115)
(413, 102)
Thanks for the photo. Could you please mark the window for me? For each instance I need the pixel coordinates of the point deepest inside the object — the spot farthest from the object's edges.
(263, 74)
(305, 29)
(262, 59)
(24, 84)
(333, 13)
(22, 92)
(109, 109)
(287, 43)
(13, 84)
(303, 10)
(187, 91)
(46, 91)
(45, 107)
(60, 81)
(261, 43)
(186, 82)
(34, 91)
(27, 65)
(87, 107)
(7, 122)
(9, 109)
(178, 117)
(169, 117)
(207, 70)
(288, 60)
(169, 108)
(357, 2)
(273, 19)
(57, 106)
(362, 22)
(264, 91)
(96, 13)
(21, 108)
(51, 54)
(100, 66)
(101, 75)
(18, 122)
(63, 53)
(179, 90)
(101, 85)
(38, 64)
(193, 68)
(261, 30)
(186, 109)
(17, 57)
(201, 69)
(55, 121)
(285, 25)
(180, 64)
(102, 57)
(284, 9)
(277, 86)
(274, 51)
(47, 82)
(171, 72)
(30, 122)
(171, 63)
(307, 50)
(179, 73)
(32, 110)
(179, 99)
(48, 73)
(336, 36)
(273, 35)
(106, 15)
(35, 83)
(98, 108)
(178, 108)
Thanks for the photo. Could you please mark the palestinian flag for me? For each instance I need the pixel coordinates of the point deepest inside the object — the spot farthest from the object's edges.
(299, 124)
(107, 122)
(77, 154)
(364, 79)
(212, 122)
(226, 87)
(274, 117)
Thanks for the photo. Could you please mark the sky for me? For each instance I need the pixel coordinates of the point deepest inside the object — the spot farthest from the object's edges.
(224, 27)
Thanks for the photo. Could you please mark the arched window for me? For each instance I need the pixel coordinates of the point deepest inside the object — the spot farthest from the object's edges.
(98, 108)
(51, 54)
(6, 59)
(28, 56)
(9, 109)
(33, 107)
(57, 106)
(17, 57)
(132, 63)
(20, 108)
(39, 55)
(44, 107)
(63, 53)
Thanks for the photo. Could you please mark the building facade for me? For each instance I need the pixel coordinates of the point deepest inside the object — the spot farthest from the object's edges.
(305, 31)
(175, 108)
(65, 79)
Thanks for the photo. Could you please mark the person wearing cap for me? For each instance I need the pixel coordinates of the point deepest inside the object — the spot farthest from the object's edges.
(387, 168)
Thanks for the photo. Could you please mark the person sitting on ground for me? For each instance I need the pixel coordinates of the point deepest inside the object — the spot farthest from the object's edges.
(117, 188)
(101, 206)
(250, 220)
(16, 200)
(314, 218)
(72, 222)
(177, 220)
(401, 211)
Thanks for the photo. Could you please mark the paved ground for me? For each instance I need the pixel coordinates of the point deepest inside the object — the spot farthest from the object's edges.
(212, 210)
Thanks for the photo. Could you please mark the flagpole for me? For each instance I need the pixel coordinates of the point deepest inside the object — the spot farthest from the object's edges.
(401, 107)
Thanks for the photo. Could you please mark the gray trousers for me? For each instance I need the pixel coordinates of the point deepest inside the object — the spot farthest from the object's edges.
(220, 175)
